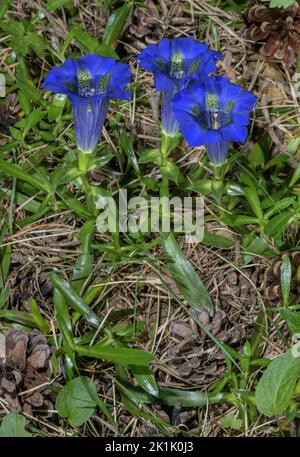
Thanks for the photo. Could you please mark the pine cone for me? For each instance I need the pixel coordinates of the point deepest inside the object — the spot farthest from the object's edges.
(25, 367)
(25, 283)
(8, 109)
(152, 22)
(189, 356)
(271, 284)
(277, 28)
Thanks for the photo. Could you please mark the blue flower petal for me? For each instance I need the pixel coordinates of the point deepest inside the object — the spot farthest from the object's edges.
(62, 80)
(95, 64)
(213, 112)
(244, 103)
(193, 133)
(163, 82)
(189, 47)
(150, 57)
(225, 88)
(120, 78)
(189, 99)
(90, 82)
(240, 118)
(208, 63)
(121, 74)
(234, 133)
(213, 136)
(120, 94)
(175, 62)
(164, 49)
(83, 77)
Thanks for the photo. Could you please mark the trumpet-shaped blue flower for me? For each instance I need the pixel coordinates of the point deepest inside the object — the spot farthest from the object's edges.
(175, 63)
(89, 82)
(213, 112)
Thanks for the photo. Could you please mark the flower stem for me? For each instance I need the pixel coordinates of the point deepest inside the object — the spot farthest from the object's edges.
(219, 171)
(218, 182)
(84, 160)
(164, 189)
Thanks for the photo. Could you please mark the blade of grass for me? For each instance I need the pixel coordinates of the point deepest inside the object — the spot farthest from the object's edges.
(72, 298)
(118, 355)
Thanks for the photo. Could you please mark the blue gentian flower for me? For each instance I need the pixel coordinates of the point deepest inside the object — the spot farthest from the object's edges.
(213, 112)
(89, 82)
(175, 63)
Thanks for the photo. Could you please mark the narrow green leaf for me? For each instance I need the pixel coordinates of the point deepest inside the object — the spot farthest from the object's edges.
(296, 176)
(20, 199)
(62, 313)
(91, 44)
(150, 156)
(127, 145)
(85, 261)
(32, 119)
(19, 317)
(286, 278)
(17, 172)
(257, 246)
(253, 200)
(90, 387)
(239, 219)
(53, 5)
(292, 319)
(5, 4)
(115, 24)
(20, 46)
(187, 280)
(76, 207)
(146, 379)
(171, 397)
(202, 186)
(4, 294)
(218, 241)
(256, 156)
(72, 298)
(63, 176)
(258, 334)
(279, 206)
(37, 316)
(118, 355)
(27, 86)
(171, 171)
(277, 224)
(65, 326)
(5, 261)
(56, 107)
(37, 44)
(11, 27)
